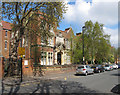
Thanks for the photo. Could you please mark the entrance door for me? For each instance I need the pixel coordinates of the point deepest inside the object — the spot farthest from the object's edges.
(59, 58)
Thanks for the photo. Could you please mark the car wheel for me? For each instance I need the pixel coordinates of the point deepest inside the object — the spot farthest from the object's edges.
(86, 74)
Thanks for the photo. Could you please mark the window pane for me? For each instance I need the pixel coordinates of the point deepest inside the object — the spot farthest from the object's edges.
(6, 33)
(5, 44)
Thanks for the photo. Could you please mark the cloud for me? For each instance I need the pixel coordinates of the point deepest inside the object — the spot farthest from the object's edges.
(114, 35)
(105, 1)
(103, 12)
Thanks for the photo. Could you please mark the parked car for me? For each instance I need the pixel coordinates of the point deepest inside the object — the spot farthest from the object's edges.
(107, 67)
(84, 69)
(118, 66)
(98, 68)
(111, 67)
(115, 66)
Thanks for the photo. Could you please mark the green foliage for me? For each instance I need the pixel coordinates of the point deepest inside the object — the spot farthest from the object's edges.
(24, 14)
(77, 50)
(33, 19)
(71, 40)
(96, 44)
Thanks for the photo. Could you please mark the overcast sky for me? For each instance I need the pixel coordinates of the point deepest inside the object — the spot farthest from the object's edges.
(103, 11)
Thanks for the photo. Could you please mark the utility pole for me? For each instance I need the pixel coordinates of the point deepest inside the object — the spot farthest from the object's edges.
(83, 29)
(21, 58)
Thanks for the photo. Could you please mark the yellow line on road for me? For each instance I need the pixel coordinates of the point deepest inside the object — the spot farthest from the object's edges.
(22, 85)
(27, 84)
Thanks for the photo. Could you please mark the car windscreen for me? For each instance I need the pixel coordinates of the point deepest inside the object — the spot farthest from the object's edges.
(93, 67)
(99, 65)
(80, 67)
(106, 65)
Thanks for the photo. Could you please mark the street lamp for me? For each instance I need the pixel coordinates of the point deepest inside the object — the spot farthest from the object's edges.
(21, 59)
(83, 29)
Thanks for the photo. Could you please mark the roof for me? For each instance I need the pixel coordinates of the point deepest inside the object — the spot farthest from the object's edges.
(6, 25)
(78, 34)
(64, 33)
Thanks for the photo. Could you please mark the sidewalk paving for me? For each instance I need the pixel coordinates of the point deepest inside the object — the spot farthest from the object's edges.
(45, 86)
(42, 85)
(16, 79)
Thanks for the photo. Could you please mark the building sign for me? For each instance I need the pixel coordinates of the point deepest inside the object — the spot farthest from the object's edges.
(21, 51)
(25, 62)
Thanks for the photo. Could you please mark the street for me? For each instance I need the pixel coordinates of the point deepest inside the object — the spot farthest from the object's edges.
(102, 82)
(69, 83)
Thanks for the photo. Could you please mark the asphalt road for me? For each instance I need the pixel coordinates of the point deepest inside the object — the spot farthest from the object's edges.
(105, 82)
(102, 82)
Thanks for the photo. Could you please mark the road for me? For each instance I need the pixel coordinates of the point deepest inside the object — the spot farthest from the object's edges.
(69, 83)
(102, 82)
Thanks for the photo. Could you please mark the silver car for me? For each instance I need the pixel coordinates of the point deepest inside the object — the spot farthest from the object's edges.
(115, 66)
(84, 69)
(107, 67)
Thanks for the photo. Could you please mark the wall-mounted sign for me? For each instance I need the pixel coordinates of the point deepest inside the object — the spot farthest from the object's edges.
(21, 51)
(26, 62)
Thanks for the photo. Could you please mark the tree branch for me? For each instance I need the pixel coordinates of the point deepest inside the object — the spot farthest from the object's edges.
(29, 12)
(16, 9)
(26, 7)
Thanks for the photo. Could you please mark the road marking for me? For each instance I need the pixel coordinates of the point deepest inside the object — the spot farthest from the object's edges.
(27, 84)
(22, 85)
(65, 78)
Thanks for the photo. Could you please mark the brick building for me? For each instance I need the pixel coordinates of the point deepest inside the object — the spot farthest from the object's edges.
(56, 52)
(5, 29)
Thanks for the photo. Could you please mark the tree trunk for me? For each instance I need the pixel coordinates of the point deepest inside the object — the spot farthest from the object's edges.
(15, 41)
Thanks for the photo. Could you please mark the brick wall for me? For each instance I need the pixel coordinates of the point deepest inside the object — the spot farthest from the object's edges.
(5, 51)
(1, 67)
(0, 40)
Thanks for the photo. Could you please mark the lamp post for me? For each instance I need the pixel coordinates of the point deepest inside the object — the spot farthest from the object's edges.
(21, 59)
(83, 29)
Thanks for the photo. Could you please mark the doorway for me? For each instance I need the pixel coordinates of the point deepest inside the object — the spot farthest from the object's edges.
(59, 58)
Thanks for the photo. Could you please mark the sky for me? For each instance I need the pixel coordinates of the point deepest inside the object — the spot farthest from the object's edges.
(103, 11)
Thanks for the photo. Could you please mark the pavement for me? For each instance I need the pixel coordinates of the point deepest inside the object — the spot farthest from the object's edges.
(47, 86)
(42, 85)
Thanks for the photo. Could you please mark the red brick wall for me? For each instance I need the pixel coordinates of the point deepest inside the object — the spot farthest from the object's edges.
(27, 69)
(1, 67)
(5, 52)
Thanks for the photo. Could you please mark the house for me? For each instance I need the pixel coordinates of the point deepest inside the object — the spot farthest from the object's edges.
(55, 52)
